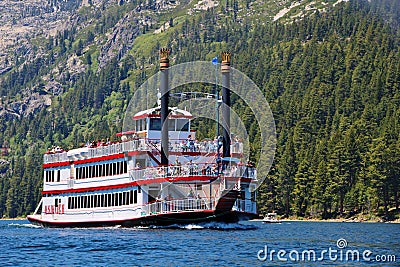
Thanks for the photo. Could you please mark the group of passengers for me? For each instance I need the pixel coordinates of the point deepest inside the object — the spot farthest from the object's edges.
(99, 143)
(54, 149)
(191, 168)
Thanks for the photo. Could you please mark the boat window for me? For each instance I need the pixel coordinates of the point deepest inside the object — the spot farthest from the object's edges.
(135, 196)
(126, 198)
(155, 124)
(115, 200)
(102, 170)
(121, 199)
(171, 124)
(96, 201)
(182, 125)
(115, 171)
(86, 204)
(125, 167)
(58, 175)
(144, 124)
(110, 200)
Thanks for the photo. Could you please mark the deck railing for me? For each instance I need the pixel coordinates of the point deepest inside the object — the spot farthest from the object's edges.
(136, 145)
(177, 205)
(183, 145)
(92, 152)
(175, 171)
(56, 157)
(247, 206)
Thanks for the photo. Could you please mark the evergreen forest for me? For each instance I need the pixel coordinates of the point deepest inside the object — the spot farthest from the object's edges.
(332, 80)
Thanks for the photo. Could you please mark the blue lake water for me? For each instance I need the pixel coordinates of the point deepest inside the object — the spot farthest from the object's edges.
(244, 244)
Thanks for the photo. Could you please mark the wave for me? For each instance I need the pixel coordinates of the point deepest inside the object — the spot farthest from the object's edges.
(23, 225)
(208, 226)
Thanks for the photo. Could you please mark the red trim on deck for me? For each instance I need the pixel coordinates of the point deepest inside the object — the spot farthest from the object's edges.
(143, 116)
(56, 164)
(103, 158)
(127, 132)
(135, 153)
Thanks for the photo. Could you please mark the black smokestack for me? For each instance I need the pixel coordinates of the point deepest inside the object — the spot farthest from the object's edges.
(226, 98)
(164, 87)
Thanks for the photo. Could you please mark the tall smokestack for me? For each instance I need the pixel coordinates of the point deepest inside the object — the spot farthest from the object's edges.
(226, 98)
(164, 65)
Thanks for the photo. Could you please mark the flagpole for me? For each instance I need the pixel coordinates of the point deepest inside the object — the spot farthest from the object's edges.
(215, 62)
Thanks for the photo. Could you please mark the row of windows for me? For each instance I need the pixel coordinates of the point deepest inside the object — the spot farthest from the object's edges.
(155, 125)
(52, 176)
(100, 170)
(103, 200)
(173, 125)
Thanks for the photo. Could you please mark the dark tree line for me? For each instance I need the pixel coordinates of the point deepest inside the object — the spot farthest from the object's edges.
(332, 81)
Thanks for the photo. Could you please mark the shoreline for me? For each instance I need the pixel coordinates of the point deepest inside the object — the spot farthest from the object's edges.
(351, 220)
(13, 219)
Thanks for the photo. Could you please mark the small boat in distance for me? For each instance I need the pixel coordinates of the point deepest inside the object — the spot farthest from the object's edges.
(271, 218)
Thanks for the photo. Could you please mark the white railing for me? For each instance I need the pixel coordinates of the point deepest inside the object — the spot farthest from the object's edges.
(141, 145)
(103, 150)
(177, 205)
(246, 206)
(56, 157)
(184, 145)
(174, 171)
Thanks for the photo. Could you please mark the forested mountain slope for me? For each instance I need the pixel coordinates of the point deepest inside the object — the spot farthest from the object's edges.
(330, 74)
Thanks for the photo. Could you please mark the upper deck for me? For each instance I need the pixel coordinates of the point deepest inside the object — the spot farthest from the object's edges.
(177, 146)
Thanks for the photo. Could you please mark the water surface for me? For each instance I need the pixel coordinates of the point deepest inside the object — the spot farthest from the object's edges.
(213, 244)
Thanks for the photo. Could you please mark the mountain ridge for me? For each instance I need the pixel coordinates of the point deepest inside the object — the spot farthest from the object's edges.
(331, 79)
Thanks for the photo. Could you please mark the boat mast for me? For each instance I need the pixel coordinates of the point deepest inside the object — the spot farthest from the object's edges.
(226, 98)
(164, 65)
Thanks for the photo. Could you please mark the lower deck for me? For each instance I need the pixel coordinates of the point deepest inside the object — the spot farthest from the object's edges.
(170, 218)
(159, 212)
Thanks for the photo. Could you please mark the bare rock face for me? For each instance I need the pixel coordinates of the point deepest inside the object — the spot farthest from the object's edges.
(29, 105)
(23, 21)
(120, 40)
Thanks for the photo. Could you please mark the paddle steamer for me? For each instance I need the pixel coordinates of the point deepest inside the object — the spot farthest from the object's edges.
(152, 176)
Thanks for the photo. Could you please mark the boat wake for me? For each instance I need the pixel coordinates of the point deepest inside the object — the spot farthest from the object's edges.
(208, 226)
(22, 225)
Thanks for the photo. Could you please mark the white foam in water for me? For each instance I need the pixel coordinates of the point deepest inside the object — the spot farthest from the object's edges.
(209, 225)
(193, 226)
(27, 225)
